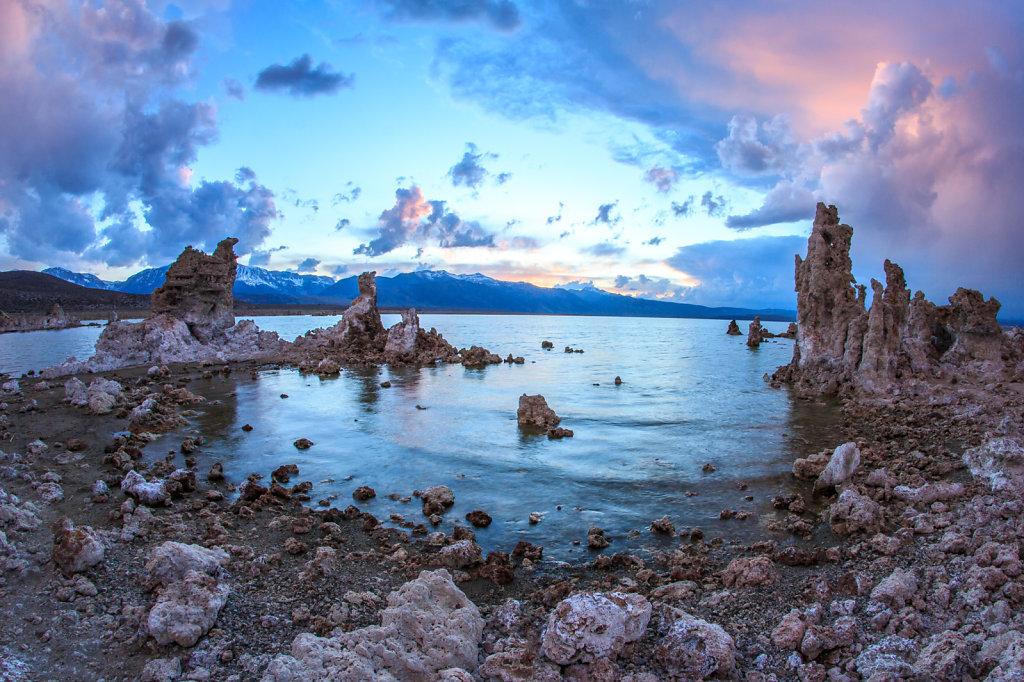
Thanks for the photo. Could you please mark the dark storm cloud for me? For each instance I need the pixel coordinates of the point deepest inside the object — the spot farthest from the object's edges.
(747, 272)
(90, 125)
(413, 219)
(756, 149)
(502, 14)
(301, 79)
(786, 203)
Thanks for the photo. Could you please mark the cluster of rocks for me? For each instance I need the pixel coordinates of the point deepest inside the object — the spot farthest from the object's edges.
(55, 319)
(901, 342)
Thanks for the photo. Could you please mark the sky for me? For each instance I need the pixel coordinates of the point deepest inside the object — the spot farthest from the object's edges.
(655, 148)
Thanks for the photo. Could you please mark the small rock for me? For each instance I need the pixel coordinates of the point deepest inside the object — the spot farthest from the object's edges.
(479, 519)
(364, 492)
(303, 444)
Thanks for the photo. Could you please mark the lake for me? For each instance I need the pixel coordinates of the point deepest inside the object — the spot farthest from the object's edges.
(691, 395)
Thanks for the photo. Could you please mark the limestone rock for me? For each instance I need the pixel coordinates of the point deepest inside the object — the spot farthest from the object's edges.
(842, 346)
(840, 467)
(186, 609)
(534, 412)
(475, 356)
(103, 395)
(854, 512)
(429, 626)
(693, 649)
(755, 333)
(895, 590)
(789, 633)
(586, 627)
(998, 463)
(170, 561)
(460, 554)
(946, 658)
(734, 329)
(197, 290)
(75, 392)
(436, 499)
(161, 670)
(809, 468)
(889, 659)
(151, 494)
(750, 571)
(401, 338)
(75, 549)
(192, 321)
(360, 326)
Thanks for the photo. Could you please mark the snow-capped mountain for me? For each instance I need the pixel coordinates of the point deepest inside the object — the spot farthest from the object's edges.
(432, 290)
(82, 279)
(249, 281)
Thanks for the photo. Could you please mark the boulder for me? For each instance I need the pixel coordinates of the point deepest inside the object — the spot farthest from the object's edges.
(853, 513)
(896, 589)
(693, 649)
(170, 561)
(436, 499)
(534, 412)
(844, 461)
(186, 609)
(151, 494)
(750, 571)
(429, 626)
(75, 549)
(586, 627)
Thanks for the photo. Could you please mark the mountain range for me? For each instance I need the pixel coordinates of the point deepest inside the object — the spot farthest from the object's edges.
(431, 290)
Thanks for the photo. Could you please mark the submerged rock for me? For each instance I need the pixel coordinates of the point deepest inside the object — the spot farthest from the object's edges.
(534, 412)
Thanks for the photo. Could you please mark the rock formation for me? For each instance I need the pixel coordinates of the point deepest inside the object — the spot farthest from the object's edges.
(55, 319)
(534, 412)
(360, 337)
(197, 290)
(842, 346)
(193, 321)
(734, 329)
(755, 333)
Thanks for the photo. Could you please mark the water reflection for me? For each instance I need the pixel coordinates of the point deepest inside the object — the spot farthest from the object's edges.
(691, 396)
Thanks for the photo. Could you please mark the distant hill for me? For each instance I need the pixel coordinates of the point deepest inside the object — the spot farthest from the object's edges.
(22, 291)
(432, 290)
(442, 291)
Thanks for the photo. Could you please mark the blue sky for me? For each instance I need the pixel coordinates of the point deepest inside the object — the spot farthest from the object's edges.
(662, 149)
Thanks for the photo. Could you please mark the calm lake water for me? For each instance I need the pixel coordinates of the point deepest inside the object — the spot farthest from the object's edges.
(690, 395)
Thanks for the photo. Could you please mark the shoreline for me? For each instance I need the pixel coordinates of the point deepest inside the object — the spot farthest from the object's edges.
(278, 590)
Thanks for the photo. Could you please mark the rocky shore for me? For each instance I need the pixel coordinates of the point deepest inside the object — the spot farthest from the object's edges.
(117, 568)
